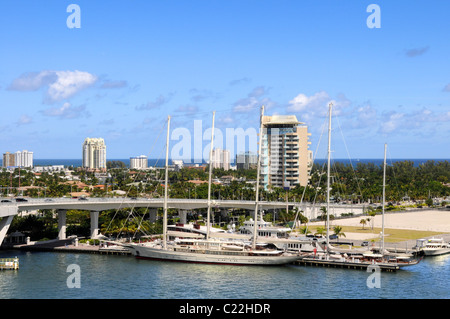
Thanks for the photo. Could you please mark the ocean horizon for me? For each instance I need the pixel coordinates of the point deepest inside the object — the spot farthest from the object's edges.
(161, 163)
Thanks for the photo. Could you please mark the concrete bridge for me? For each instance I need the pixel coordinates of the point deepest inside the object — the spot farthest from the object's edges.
(97, 204)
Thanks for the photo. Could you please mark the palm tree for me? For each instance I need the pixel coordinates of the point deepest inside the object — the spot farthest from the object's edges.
(320, 231)
(363, 222)
(338, 231)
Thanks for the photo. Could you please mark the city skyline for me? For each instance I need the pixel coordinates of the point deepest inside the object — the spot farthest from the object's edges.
(129, 66)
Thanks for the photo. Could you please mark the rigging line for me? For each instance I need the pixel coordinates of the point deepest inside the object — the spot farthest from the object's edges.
(348, 154)
(309, 180)
(135, 177)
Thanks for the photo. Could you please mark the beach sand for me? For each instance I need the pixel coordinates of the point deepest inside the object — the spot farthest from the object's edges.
(426, 220)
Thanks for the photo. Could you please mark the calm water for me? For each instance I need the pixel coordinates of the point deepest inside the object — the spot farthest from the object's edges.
(44, 275)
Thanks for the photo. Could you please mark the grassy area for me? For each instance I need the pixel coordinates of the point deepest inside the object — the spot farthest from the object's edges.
(391, 235)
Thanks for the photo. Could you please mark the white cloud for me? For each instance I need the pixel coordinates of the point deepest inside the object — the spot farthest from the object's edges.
(24, 119)
(302, 102)
(61, 84)
(69, 83)
(253, 101)
(393, 122)
(66, 111)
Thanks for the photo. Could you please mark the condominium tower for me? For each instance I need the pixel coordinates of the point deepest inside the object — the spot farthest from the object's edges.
(139, 162)
(220, 159)
(19, 159)
(286, 160)
(94, 153)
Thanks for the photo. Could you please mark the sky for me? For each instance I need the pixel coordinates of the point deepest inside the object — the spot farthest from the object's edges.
(118, 69)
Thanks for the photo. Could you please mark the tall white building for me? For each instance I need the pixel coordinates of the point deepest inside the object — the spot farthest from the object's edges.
(24, 159)
(139, 162)
(94, 153)
(285, 157)
(220, 159)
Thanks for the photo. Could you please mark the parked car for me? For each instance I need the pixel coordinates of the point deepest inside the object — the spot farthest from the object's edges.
(6, 201)
(19, 199)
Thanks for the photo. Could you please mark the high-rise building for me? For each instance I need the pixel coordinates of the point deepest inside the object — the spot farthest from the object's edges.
(285, 157)
(94, 153)
(18, 159)
(139, 162)
(9, 159)
(24, 159)
(220, 159)
(247, 160)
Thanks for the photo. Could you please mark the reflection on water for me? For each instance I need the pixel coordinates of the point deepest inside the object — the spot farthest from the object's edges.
(44, 275)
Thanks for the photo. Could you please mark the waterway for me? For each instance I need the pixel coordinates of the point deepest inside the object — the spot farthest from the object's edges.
(49, 275)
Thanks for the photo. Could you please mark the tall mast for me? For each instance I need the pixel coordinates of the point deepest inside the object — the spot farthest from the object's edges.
(328, 175)
(384, 199)
(255, 227)
(166, 186)
(209, 183)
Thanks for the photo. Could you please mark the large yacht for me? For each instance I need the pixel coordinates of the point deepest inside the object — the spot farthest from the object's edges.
(210, 250)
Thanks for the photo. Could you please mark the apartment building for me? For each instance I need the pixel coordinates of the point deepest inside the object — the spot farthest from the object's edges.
(18, 159)
(220, 159)
(94, 154)
(139, 162)
(286, 160)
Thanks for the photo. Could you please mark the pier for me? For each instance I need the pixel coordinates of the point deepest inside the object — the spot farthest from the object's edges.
(344, 264)
(67, 246)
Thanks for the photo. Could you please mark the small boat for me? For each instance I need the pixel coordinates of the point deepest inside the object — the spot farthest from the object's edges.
(435, 247)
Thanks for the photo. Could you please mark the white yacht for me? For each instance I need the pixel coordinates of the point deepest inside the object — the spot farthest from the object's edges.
(264, 229)
(433, 246)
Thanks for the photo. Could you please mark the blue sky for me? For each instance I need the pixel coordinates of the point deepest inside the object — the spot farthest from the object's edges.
(133, 63)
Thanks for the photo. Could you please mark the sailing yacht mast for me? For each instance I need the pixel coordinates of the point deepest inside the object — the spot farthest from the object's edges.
(384, 199)
(328, 174)
(255, 228)
(209, 183)
(166, 186)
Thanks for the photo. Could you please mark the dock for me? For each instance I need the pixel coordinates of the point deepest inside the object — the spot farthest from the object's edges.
(67, 246)
(9, 263)
(331, 263)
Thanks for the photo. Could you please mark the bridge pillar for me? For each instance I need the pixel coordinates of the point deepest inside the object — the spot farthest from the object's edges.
(182, 214)
(5, 222)
(62, 223)
(153, 212)
(94, 224)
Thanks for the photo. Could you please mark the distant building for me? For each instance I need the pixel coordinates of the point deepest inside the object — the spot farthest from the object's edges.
(178, 164)
(94, 154)
(24, 159)
(18, 159)
(220, 159)
(9, 159)
(285, 157)
(247, 160)
(139, 162)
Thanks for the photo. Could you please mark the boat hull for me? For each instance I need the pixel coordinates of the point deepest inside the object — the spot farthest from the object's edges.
(435, 251)
(156, 253)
